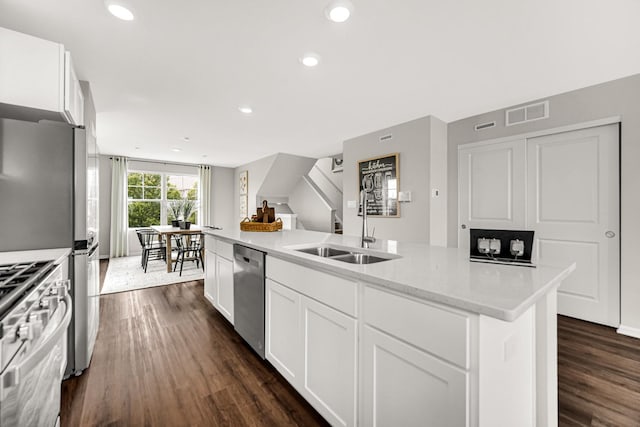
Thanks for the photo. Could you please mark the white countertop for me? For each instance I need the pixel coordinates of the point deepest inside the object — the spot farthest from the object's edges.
(58, 255)
(443, 275)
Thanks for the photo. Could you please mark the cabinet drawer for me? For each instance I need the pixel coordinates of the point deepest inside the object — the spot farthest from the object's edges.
(224, 249)
(334, 291)
(210, 243)
(437, 329)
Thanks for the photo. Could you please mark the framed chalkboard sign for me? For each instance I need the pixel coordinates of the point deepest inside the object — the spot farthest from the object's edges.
(379, 179)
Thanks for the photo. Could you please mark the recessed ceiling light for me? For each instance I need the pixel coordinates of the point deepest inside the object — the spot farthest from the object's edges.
(339, 10)
(245, 109)
(120, 10)
(310, 59)
(185, 139)
(177, 150)
(137, 148)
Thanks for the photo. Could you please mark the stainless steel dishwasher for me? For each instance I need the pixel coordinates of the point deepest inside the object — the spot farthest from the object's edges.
(248, 296)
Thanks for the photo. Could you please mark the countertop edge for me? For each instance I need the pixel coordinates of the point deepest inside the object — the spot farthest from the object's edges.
(58, 255)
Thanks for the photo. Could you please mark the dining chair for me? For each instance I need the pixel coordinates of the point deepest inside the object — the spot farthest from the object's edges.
(189, 248)
(152, 247)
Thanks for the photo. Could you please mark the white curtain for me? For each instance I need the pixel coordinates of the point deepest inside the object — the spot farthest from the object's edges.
(204, 194)
(119, 222)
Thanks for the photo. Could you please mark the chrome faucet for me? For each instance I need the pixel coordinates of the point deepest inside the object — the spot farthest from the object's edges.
(366, 239)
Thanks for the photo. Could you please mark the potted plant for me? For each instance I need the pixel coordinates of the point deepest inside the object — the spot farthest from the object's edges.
(175, 210)
(188, 207)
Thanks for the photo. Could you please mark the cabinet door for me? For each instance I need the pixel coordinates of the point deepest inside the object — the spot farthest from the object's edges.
(73, 97)
(282, 329)
(210, 282)
(491, 188)
(31, 71)
(329, 358)
(406, 386)
(224, 278)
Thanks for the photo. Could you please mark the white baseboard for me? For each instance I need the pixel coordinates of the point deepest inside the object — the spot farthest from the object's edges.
(104, 257)
(629, 331)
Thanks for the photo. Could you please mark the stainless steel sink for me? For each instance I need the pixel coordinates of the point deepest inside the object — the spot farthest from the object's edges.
(357, 258)
(324, 251)
(346, 255)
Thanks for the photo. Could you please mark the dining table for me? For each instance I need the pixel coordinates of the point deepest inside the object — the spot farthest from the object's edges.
(166, 231)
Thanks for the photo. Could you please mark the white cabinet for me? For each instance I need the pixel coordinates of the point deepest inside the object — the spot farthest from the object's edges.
(73, 98)
(313, 344)
(218, 275)
(405, 386)
(210, 285)
(282, 329)
(224, 287)
(330, 366)
(37, 80)
(416, 361)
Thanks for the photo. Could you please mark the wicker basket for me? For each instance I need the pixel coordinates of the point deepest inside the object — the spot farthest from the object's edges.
(247, 225)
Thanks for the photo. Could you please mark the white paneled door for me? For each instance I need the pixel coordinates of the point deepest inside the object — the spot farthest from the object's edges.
(492, 188)
(573, 206)
(566, 188)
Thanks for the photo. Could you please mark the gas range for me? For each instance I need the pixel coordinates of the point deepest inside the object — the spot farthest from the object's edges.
(29, 294)
(35, 311)
(16, 280)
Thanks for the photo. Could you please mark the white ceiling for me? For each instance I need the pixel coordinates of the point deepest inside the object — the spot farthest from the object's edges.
(182, 68)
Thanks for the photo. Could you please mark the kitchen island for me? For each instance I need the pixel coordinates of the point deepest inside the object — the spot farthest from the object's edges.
(423, 338)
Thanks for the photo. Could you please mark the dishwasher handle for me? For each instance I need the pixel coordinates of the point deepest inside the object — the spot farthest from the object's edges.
(247, 256)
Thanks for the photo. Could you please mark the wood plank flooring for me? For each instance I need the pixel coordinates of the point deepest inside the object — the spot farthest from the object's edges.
(598, 375)
(165, 357)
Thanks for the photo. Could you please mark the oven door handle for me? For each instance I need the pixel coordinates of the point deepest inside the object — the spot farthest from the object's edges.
(13, 374)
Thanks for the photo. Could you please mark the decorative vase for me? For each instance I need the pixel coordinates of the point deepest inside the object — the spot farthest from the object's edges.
(175, 223)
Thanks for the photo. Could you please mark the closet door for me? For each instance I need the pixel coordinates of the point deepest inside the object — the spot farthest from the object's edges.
(573, 206)
(491, 188)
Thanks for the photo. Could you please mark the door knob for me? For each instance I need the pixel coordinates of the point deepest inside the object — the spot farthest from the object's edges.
(463, 226)
(610, 234)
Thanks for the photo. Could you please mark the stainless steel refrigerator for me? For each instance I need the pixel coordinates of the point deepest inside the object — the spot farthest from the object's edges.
(49, 199)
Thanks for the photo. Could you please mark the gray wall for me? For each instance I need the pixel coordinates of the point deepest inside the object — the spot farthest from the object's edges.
(222, 197)
(411, 141)
(313, 213)
(273, 177)
(257, 172)
(36, 185)
(617, 98)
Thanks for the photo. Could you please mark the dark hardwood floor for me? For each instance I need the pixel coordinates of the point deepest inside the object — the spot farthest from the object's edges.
(165, 357)
(598, 375)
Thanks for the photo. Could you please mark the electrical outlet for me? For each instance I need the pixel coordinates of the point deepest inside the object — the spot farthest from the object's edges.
(494, 246)
(517, 247)
(483, 245)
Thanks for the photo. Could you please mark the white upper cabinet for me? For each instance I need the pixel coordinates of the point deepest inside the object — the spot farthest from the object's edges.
(73, 98)
(37, 80)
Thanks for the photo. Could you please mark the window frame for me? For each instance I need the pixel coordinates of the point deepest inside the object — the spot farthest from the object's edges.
(163, 200)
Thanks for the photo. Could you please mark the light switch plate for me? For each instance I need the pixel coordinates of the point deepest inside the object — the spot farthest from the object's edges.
(404, 196)
(352, 204)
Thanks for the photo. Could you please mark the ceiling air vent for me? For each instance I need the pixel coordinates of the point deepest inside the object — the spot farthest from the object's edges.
(384, 138)
(484, 125)
(527, 113)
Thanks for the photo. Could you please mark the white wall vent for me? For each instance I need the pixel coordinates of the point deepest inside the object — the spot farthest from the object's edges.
(384, 138)
(484, 125)
(527, 113)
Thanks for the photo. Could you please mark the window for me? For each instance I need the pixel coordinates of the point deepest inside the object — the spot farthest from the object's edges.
(150, 196)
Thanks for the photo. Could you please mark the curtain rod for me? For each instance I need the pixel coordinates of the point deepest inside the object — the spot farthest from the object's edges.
(161, 162)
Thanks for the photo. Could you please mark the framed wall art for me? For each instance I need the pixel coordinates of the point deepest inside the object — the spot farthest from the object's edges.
(244, 194)
(379, 181)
